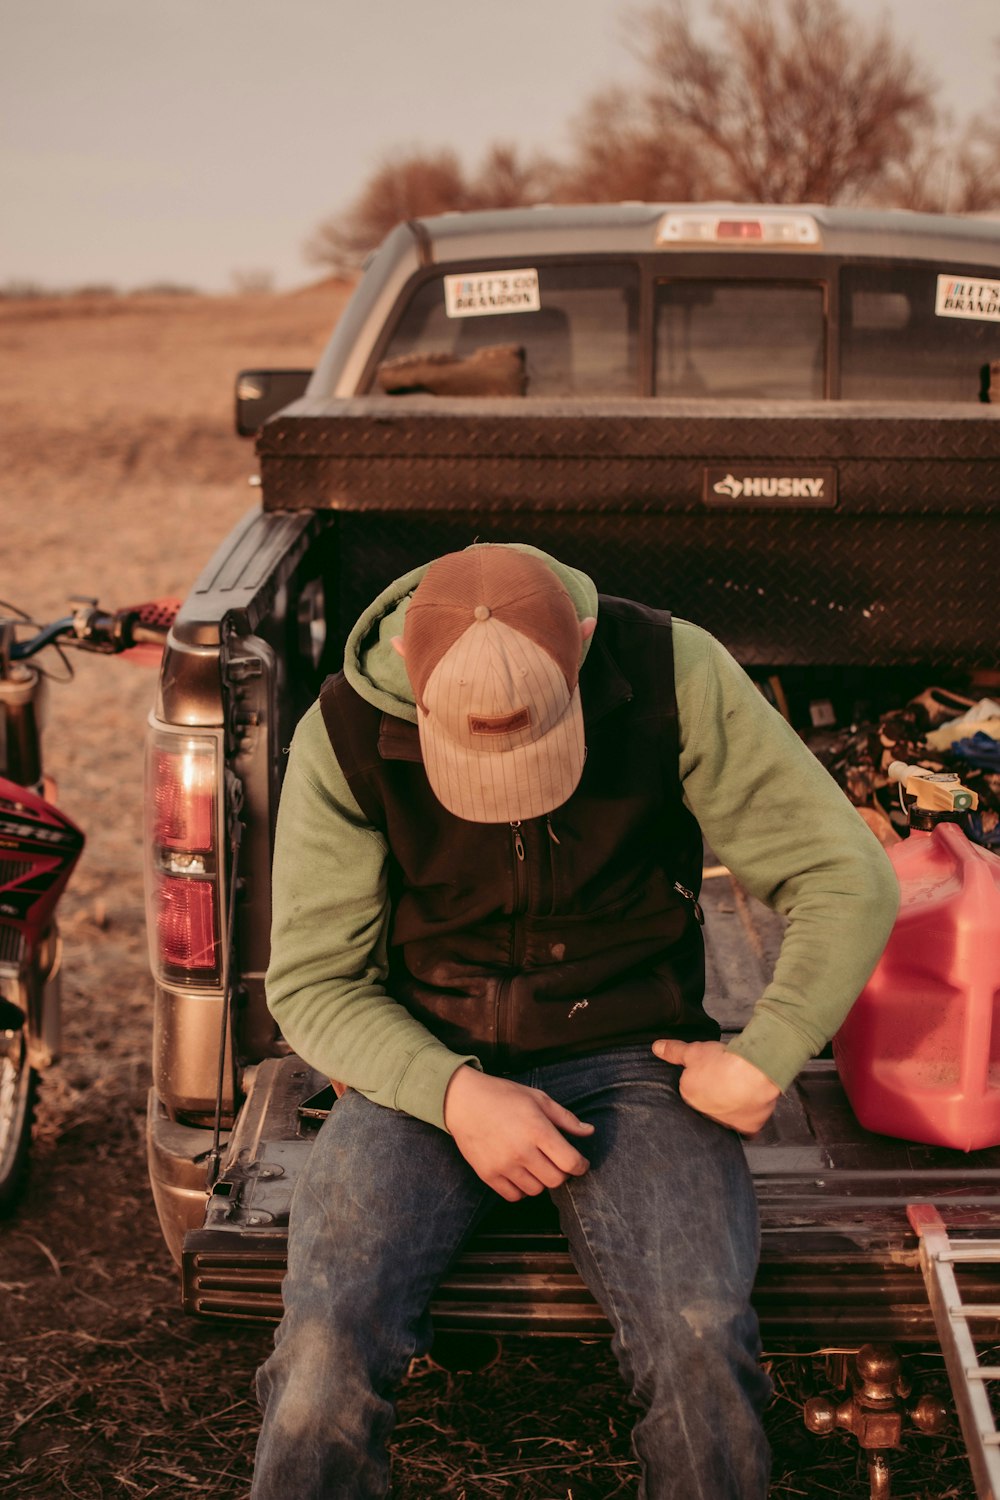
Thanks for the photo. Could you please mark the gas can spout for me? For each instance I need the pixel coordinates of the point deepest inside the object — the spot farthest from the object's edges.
(933, 791)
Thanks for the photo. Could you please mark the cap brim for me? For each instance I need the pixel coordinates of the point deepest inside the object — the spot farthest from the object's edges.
(506, 786)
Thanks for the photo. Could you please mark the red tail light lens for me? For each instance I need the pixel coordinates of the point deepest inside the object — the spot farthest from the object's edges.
(183, 792)
(739, 229)
(186, 924)
(706, 226)
(184, 878)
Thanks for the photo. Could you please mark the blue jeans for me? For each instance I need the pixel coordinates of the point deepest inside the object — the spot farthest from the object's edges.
(663, 1229)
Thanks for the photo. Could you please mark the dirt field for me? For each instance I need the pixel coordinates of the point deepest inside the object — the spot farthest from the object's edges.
(120, 475)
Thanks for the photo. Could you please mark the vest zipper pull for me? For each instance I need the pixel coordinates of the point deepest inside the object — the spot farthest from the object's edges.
(699, 915)
(518, 841)
(552, 832)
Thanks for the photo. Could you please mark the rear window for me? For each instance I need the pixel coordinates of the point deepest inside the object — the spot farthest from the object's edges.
(560, 329)
(916, 333)
(577, 325)
(718, 339)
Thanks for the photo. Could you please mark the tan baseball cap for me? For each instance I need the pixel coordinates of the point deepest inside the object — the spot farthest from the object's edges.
(492, 644)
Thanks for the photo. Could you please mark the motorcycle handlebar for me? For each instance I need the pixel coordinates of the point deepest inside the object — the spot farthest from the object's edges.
(19, 650)
(106, 632)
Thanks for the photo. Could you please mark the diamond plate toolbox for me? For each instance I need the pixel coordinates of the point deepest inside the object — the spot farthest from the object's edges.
(796, 533)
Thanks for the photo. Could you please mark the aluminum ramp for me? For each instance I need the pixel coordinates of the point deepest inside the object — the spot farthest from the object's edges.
(953, 1318)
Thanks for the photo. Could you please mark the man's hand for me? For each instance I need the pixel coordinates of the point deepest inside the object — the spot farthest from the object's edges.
(510, 1135)
(721, 1084)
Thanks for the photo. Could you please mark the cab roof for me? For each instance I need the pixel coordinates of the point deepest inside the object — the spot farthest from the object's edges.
(631, 228)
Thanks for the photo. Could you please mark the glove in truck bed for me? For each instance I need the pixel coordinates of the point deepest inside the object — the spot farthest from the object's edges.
(839, 1261)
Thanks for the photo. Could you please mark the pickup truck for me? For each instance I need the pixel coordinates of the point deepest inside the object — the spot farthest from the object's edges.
(778, 422)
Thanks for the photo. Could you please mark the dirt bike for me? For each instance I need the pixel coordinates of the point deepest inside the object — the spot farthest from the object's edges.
(39, 847)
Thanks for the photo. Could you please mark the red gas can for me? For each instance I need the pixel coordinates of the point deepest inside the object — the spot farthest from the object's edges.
(919, 1053)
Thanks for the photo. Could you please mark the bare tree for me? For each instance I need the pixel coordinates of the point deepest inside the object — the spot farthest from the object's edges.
(977, 169)
(619, 154)
(507, 180)
(770, 101)
(419, 184)
(401, 188)
(788, 101)
(954, 171)
(974, 185)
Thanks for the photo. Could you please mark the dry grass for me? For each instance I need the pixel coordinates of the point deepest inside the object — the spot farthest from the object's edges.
(120, 477)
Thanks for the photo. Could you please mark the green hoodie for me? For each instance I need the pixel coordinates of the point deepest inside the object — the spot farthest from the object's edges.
(767, 808)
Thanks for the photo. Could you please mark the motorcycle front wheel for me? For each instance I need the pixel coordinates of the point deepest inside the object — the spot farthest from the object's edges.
(18, 1090)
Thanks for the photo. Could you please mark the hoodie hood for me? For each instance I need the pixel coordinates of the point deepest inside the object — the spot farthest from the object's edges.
(375, 669)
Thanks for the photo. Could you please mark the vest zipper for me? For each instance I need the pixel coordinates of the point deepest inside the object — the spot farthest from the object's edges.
(682, 890)
(503, 1022)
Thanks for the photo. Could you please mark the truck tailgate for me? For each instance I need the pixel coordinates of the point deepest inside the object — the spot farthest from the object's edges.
(839, 1260)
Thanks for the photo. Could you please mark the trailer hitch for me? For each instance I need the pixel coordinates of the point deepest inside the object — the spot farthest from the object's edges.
(874, 1411)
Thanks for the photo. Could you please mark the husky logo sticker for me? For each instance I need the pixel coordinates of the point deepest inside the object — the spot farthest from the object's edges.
(770, 486)
(786, 487)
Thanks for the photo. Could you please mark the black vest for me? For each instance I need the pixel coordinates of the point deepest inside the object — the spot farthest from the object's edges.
(522, 943)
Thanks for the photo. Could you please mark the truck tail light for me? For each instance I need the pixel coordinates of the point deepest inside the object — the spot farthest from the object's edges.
(186, 924)
(732, 228)
(183, 793)
(739, 229)
(183, 838)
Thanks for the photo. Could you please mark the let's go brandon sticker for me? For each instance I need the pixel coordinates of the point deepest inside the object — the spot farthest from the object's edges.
(491, 292)
(968, 297)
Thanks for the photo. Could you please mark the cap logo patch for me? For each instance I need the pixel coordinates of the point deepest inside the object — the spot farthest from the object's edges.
(502, 724)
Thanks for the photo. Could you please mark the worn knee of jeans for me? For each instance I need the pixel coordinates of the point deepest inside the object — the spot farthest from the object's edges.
(327, 1397)
(367, 1244)
(664, 1230)
(701, 1390)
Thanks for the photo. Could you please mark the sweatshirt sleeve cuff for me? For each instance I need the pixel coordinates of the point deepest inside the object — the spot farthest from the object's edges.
(422, 1087)
(777, 1049)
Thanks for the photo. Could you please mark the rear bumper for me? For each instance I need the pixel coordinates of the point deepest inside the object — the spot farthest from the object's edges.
(528, 1285)
(177, 1158)
(839, 1261)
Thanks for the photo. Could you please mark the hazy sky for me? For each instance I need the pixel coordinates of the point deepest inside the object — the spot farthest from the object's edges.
(187, 140)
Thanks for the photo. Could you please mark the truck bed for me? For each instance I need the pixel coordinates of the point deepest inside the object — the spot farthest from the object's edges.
(839, 1261)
